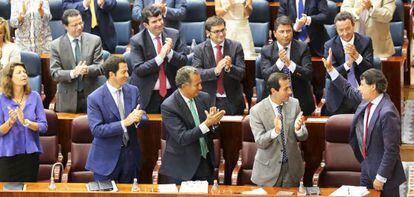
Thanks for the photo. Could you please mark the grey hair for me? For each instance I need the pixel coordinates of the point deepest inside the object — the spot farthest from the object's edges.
(184, 75)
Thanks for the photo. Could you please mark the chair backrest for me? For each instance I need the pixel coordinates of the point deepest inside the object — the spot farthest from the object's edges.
(343, 169)
(397, 27)
(5, 9)
(56, 26)
(192, 27)
(260, 82)
(122, 22)
(81, 142)
(332, 11)
(330, 29)
(49, 143)
(248, 153)
(127, 58)
(34, 69)
(377, 63)
(259, 22)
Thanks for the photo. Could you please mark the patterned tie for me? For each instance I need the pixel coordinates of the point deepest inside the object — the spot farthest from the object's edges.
(161, 74)
(282, 135)
(362, 18)
(94, 21)
(302, 35)
(125, 136)
(351, 74)
(219, 56)
(203, 144)
(286, 70)
(77, 60)
(364, 142)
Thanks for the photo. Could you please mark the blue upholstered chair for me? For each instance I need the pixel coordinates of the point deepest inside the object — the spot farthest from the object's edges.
(122, 22)
(5, 9)
(56, 26)
(34, 70)
(259, 23)
(397, 28)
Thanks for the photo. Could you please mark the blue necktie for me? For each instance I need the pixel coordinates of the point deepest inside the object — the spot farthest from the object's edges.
(282, 135)
(286, 70)
(351, 74)
(302, 35)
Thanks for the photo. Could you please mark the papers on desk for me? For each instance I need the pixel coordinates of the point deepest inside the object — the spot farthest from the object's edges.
(167, 188)
(194, 187)
(347, 190)
(258, 191)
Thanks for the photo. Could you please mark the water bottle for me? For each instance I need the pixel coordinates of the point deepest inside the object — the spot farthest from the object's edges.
(215, 188)
(135, 187)
(193, 44)
(301, 190)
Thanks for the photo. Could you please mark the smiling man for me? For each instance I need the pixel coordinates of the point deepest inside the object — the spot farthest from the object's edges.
(156, 55)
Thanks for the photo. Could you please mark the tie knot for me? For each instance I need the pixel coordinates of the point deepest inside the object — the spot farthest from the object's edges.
(218, 47)
(76, 41)
(157, 37)
(279, 108)
(118, 91)
(370, 104)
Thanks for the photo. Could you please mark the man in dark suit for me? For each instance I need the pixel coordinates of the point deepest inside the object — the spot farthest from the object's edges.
(376, 130)
(156, 55)
(352, 54)
(113, 109)
(189, 121)
(97, 19)
(173, 11)
(293, 58)
(75, 64)
(309, 17)
(220, 62)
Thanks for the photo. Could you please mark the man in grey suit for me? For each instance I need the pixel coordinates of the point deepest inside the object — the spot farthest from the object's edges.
(75, 64)
(277, 124)
(220, 62)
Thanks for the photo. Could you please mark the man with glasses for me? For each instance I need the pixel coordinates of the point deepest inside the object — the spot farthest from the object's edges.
(75, 64)
(220, 62)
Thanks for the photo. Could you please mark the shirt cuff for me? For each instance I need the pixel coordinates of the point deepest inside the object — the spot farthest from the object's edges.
(170, 55)
(72, 74)
(84, 6)
(300, 131)
(346, 66)
(308, 20)
(381, 178)
(123, 127)
(295, 27)
(333, 74)
(203, 127)
(292, 66)
(280, 64)
(273, 134)
(359, 59)
(158, 60)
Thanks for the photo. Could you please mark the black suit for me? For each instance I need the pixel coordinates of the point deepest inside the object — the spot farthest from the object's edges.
(204, 60)
(318, 11)
(301, 78)
(336, 102)
(182, 157)
(145, 73)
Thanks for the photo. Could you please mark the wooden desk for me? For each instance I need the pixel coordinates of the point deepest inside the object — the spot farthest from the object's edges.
(79, 190)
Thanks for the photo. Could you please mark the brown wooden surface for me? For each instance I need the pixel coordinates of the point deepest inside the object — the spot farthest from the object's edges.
(79, 189)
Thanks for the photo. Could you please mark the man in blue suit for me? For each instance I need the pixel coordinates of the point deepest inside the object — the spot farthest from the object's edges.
(96, 15)
(352, 54)
(173, 11)
(113, 110)
(376, 130)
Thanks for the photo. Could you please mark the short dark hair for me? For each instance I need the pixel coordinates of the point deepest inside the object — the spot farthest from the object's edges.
(343, 16)
(214, 21)
(184, 75)
(375, 76)
(273, 81)
(112, 65)
(69, 13)
(282, 20)
(151, 11)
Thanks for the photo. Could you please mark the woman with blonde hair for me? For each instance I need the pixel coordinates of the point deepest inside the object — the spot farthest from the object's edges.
(22, 118)
(9, 52)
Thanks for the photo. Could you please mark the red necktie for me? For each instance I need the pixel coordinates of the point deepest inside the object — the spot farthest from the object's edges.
(219, 56)
(364, 143)
(161, 74)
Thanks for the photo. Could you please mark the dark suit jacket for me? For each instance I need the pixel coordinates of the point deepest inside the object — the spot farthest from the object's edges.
(301, 78)
(182, 152)
(204, 60)
(175, 12)
(384, 137)
(105, 124)
(143, 53)
(103, 16)
(363, 44)
(318, 11)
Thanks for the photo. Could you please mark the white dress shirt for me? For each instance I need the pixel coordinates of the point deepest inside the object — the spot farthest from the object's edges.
(159, 60)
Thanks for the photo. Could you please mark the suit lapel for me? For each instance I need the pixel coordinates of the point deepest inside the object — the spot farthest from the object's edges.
(210, 53)
(200, 109)
(66, 47)
(294, 11)
(186, 111)
(294, 53)
(275, 52)
(84, 47)
(149, 45)
(226, 50)
(110, 102)
(269, 112)
(127, 100)
(374, 119)
(339, 51)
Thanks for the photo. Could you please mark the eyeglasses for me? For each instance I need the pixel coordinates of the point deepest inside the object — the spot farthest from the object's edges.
(78, 24)
(219, 31)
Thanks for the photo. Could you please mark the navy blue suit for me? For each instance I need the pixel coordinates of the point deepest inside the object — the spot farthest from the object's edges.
(335, 99)
(383, 141)
(105, 124)
(318, 11)
(103, 16)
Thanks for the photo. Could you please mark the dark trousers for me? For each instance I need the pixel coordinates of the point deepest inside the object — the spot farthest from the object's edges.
(81, 106)
(125, 170)
(229, 107)
(387, 192)
(19, 168)
(154, 105)
(205, 171)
